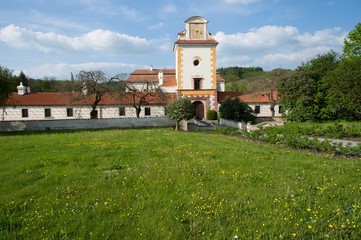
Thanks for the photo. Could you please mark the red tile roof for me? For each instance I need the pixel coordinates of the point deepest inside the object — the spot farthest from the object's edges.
(147, 75)
(170, 83)
(221, 96)
(207, 41)
(253, 97)
(68, 99)
(258, 97)
(220, 78)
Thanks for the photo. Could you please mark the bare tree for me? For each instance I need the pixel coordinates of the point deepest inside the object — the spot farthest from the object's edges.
(142, 94)
(94, 85)
(268, 83)
(273, 80)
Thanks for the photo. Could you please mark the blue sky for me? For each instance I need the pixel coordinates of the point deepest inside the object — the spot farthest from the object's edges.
(54, 38)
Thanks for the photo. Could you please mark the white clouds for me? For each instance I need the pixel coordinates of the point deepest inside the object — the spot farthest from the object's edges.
(257, 40)
(275, 46)
(323, 37)
(106, 40)
(268, 47)
(99, 46)
(104, 33)
(63, 70)
(97, 40)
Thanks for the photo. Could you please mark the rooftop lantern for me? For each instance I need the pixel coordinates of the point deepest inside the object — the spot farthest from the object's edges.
(21, 89)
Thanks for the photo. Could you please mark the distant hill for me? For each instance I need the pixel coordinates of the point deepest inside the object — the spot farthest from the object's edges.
(248, 79)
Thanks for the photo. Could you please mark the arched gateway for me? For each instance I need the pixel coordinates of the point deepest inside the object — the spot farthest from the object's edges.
(198, 109)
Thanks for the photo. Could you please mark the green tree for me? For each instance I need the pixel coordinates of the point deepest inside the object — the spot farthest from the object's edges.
(344, 98)
(23, 78)
(180, 109)
(303, 94)
(352, 43)
(42, 85)
(6, 84)
(238, 78)
(235, 109)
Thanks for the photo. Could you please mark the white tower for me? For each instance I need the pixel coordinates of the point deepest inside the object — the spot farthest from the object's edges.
(195, 52)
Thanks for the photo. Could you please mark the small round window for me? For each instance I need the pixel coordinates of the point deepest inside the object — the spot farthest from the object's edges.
(196, 62)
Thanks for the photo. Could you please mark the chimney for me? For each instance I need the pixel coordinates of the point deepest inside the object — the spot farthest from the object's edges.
(84, 89)
(21, 89)
(160, 77)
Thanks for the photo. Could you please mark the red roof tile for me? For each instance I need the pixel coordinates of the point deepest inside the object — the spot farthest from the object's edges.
(147, 75)
(220, 78)
(253, 97)
(207, 41)
(221, 96)
(258, 97)
(170, 83)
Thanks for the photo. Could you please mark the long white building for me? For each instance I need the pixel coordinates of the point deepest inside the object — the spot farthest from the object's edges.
(194, 77)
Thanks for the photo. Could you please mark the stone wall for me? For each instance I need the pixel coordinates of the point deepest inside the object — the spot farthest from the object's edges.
(234, 124)
(40, 125)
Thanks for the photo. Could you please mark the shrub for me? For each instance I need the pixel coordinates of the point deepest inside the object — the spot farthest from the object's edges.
(181, 109)
(211, 115)
(227, 131)
(235, 109)
(334, 131)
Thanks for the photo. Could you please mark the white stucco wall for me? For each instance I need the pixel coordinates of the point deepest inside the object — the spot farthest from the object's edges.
(141, 86)
(221, 86)
(213, 102)
(265, 110)
(38, 113)
(60, 112)
(169, 89)
(201, 71)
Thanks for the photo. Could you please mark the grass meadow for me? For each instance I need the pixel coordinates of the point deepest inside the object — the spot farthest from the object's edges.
(161, 184)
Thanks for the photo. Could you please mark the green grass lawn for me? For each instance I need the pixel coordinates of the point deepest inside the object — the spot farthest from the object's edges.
(161, 184)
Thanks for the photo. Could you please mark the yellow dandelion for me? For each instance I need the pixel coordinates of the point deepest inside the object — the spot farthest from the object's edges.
(330, 226)
(308, 209)
(294, 234)
(309, 227)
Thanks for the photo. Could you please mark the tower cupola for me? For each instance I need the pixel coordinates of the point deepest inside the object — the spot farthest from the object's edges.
(21, 89)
